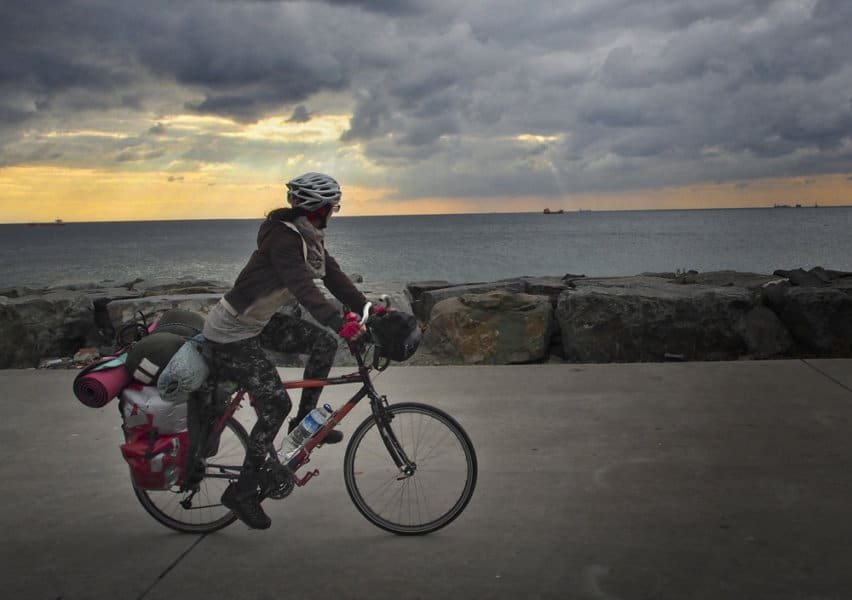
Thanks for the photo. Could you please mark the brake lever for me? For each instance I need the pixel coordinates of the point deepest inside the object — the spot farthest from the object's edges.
(384, 298)
(366, 313)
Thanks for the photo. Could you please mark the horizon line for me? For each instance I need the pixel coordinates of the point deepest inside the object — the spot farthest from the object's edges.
(60, 222)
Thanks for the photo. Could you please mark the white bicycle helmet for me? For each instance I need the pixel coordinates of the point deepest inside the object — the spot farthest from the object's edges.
(313, 191)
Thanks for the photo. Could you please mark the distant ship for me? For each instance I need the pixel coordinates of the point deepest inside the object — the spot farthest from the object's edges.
(815, 205)
(56, 223)
(547, 211)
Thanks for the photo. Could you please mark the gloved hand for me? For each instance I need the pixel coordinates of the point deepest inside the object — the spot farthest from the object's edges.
(351, 331)
(378, 309)
(350, 316)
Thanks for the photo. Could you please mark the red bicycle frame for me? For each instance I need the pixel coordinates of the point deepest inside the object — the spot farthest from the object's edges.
(362, 376)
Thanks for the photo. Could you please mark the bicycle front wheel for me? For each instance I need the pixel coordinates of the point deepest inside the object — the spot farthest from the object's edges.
(436, 492)
(201, 510)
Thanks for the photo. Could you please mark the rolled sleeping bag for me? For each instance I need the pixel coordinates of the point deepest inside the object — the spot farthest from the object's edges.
(181, 322)
(147, 358)
(186, 372)
(99, 383)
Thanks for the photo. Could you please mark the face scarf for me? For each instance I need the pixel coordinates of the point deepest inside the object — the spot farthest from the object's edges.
(315, 243)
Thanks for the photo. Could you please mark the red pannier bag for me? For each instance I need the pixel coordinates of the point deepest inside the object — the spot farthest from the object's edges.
(157, 462)
(156, 438)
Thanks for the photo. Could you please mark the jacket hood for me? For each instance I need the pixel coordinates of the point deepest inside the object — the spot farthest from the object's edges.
(291, 214)
(284, 214)
(273, 218)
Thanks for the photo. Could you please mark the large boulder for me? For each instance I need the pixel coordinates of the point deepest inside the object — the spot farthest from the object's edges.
(820, 319)
(177, 287)
(416, 289)
(28, 331)
(765, 336)
(124, 311)
(429, 298)
(551, 287)
(816, 307)
(54, 322)
(818, 277)
(35, 327)
(497, 327)
(637, 319)
(749, 281)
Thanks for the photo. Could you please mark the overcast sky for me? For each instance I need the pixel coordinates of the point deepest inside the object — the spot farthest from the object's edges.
(449, 104)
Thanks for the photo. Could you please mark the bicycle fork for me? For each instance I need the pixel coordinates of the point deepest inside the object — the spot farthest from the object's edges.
(383, 418)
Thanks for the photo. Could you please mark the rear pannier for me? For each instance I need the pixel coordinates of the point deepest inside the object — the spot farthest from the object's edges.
(156, 438)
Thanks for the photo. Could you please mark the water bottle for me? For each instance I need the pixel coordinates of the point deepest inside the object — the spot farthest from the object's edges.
(300, 435)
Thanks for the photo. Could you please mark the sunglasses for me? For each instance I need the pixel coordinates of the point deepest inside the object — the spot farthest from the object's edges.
(325, 210)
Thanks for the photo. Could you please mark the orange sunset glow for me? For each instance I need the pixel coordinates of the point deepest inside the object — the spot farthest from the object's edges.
(29, 194)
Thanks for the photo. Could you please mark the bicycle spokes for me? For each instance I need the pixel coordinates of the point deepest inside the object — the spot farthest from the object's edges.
(412, 472)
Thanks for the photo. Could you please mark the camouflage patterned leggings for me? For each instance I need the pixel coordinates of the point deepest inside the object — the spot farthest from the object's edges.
(246, 363)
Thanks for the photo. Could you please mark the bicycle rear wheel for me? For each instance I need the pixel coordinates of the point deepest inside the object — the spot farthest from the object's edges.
(201, 510)
(438, 490)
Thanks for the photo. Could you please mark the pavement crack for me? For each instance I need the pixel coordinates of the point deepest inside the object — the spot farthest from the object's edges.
(827, 376)
(168, 569)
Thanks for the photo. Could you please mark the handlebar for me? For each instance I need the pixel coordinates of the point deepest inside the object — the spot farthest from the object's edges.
(365, 314)
(357, 345)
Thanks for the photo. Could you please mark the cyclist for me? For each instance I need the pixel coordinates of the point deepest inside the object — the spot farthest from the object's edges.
(290, 255)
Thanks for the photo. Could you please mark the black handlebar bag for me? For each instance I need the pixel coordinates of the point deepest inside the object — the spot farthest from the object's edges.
(396, 335)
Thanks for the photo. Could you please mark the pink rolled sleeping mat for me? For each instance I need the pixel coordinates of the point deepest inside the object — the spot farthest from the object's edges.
(99, 383)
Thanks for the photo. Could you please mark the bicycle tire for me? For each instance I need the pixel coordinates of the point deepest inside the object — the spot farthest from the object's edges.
(165, 505)
(421, 503)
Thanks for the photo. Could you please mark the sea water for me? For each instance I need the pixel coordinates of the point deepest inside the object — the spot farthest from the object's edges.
(456, 248)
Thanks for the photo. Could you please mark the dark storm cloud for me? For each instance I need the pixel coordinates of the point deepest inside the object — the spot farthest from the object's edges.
(227, 59)
(389, 7)
(460, 97)
(139, 154)
(157, 129)
(300, 115)
(248, 63)
(44, 53)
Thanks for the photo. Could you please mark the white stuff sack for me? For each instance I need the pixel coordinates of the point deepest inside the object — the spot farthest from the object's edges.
(186, 372)
(142, 404)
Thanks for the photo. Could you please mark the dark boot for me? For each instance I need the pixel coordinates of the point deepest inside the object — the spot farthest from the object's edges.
(243, 498)
(334, 437)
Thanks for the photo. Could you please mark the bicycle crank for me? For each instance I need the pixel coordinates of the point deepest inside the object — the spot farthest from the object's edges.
(279, 481)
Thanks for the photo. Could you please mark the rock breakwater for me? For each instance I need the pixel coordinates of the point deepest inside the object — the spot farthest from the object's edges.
(721, 315)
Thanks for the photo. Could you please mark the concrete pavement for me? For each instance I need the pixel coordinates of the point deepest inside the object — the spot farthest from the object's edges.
(666, 481)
